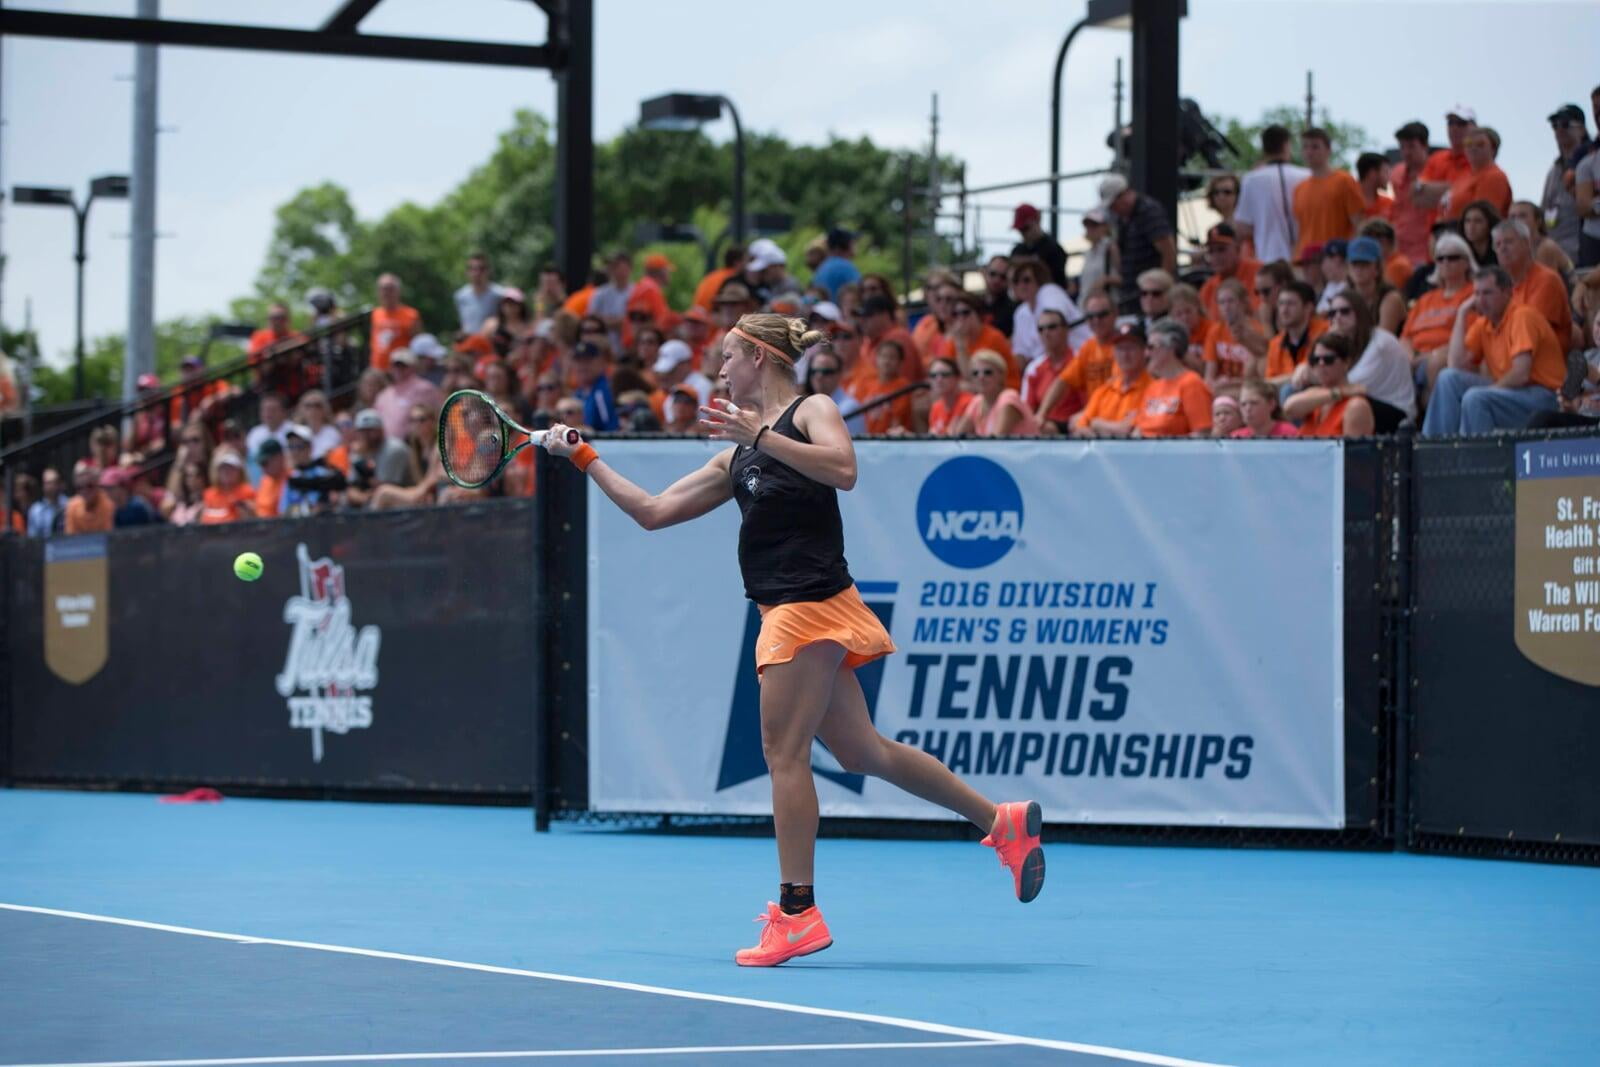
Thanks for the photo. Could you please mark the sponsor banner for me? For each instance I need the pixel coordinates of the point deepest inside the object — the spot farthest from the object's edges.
(1557, 611)
(1131, 632)
(386, 651)
(75, 608)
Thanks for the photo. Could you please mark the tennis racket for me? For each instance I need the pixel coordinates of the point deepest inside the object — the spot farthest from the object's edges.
(476, 438)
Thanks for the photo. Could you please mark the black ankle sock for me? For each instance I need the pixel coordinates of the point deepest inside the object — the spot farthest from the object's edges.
(794, 898)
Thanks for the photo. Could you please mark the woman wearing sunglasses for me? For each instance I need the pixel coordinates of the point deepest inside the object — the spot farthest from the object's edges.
(1332, 406)
(1380, 364)
(950, 401)
(1426, 336)
(998, 410)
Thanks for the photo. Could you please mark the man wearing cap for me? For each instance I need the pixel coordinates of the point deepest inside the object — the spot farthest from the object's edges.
(674, 366)
(1114, 406)
(1265, 213)
(127, 507)
(310, 484)
(1447, 164)
(1559, 204)
(1397, 268)
(375, 460)
(767, 272)
(407, 389)
(1144, 235)
(89, 511)
(1226, 260)
(1332, 274)
(430, 357)
(650, 293)
(839, 267)
(479, 298)
(273, 460)
(1037, 243)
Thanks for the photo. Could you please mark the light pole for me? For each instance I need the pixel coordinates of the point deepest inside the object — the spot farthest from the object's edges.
(690, 111)
(109, 187)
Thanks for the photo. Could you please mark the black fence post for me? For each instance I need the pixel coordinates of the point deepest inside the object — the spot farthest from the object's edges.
(1401, 552)
(542, 708)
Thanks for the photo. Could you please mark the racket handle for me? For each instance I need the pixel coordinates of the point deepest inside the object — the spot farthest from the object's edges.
(573, 437)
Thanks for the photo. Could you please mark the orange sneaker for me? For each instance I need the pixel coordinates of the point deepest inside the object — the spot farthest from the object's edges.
(785, 937)
(1015, 837)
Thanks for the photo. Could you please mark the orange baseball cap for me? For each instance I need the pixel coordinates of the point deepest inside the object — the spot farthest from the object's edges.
(657, 261)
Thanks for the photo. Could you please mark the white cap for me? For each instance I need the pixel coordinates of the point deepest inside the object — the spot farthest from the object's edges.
(827, 309)
(427, 346)
(1462, 111)
(673, 354)
(403, 355)
(1111, 187)
(764, 253)
(1095, 214)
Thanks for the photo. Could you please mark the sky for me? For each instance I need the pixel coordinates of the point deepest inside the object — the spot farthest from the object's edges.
(243, 131)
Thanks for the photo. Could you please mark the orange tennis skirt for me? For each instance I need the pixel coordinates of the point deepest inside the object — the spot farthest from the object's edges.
(843, 618)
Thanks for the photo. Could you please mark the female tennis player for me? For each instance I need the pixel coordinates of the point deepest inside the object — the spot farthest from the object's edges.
(791, 456)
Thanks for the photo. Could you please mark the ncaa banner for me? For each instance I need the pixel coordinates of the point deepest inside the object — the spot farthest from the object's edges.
(1128, 632)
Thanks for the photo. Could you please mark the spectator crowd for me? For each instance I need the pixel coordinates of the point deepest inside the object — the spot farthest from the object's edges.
(1417, 290)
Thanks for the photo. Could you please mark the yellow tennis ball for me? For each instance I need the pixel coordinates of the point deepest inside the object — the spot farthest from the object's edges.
(247, 567)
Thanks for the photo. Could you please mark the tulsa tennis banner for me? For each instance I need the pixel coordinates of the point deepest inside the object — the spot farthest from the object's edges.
(1130, 632)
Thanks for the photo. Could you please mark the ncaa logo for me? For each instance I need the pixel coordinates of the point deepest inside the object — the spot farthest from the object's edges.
(969, 512)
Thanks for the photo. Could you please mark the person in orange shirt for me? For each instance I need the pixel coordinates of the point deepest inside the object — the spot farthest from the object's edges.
(577, 304)
(1114, 406)
(90, 510)
(894, 417)
(230, 497)
(1447, 164)
(1535, 284)
(950, 401)
(274, 466)
(275, 332)
(1331, 406)
(393, 324)
(1176, 402)
(1426, 337)
(1483, 179)
(733, 261)
(1372, 174)
(1504, 368)
(940, 288)
(1183, 306)
(877, 324)
(1047, 370)
(1397, 268)
(1226, 260)
(1237, 340)
(1412, 221)
(1091, 365)
(1328, 204)
(1302, 326)
(968, 332)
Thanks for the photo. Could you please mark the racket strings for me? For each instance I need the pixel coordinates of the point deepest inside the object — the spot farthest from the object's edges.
(472, 439)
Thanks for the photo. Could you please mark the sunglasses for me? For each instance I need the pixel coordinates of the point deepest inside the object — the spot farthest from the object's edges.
(994, 274)
(1450, 257)
(984, 372)
(1341, 311)
(193, 440)
(547, 387)
(1152, 292)
(1051, 326)
(1268, 291)
(819, 371)
(941, 374)
(1322, 361)
(961, 313)
(1098, 315)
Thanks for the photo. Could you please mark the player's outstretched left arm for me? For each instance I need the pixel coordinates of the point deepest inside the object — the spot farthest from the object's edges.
(687, 498)
(830, 458)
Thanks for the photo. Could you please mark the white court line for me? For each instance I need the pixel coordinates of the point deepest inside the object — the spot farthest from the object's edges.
(537, 1054)
(634, 987)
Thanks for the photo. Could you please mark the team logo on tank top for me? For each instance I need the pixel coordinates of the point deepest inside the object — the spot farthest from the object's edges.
(752, 480)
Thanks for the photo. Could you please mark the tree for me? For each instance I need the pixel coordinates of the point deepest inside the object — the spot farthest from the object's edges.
(102, 360)
(1348, 140)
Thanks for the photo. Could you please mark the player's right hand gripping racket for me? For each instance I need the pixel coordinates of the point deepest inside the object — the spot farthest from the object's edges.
(476, 438)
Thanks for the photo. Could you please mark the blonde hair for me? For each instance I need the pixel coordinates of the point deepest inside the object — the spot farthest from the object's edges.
(788, 337)
(1184, 295)
(988, 357)
(1156, 276)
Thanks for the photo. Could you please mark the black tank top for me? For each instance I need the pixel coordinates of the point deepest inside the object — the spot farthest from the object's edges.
(791, 539)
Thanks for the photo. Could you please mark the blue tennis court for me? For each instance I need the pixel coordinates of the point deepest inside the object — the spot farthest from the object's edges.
(298, 932)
